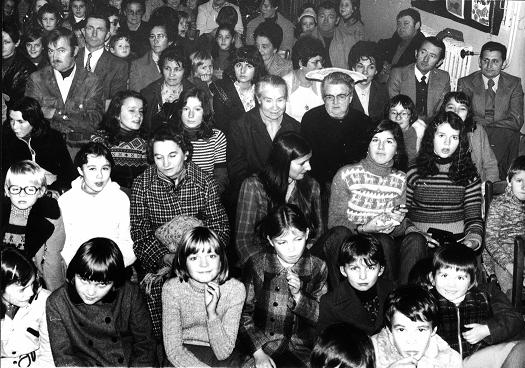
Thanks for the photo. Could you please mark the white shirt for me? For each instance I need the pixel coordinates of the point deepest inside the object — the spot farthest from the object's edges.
(95, 55)
(486, 82)
(419, 75)
(64, 84)
(364, 96)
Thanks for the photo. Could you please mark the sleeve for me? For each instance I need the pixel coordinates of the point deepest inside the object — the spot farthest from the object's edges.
(201, 20)
(143, 351)
(514, 118)
(44, 356)
(134, 77)
(308, 304)
(146, 246)
(220, 148)
(67, 171)
(88, 118)
(172, 328)
(393, 82)
(506, 323)
(239, 28)
(222, 331)
(236, 156)
(120, 80)
(250, 29)
(488, 158)
(410, 188)
(125, 243)
(221, 111)
(327, 315)
(215, 214)
(338, 204)
(221, 178)
(495, 237)
(315, 204)
(472, 212)
(288, 36)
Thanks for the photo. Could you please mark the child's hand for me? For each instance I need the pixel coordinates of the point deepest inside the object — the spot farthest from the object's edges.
(263, 360)
(399, 212)
(212, 294)
(294, 283)
(408, 362)
(476, 333)
(431, 242)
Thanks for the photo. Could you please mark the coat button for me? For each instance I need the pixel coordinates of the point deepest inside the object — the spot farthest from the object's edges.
(114, 339)
(277, 288)
(275, 304)
(107, 320)
(272, 333)
(90, 342)
(120, 360)
(13, 353)
(272, 319)
(81, 324)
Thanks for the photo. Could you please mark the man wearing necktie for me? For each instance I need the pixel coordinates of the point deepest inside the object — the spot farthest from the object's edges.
(497, 103)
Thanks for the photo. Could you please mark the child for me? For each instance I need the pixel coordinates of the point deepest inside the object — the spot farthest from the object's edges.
(284, 285)
(505, 220)
(25, 340)
(120, 46)
(95, 206)
(97, 318)
(409, 338)
(362, 262)
(32, 221)
(202, 307)
(344, 346)
(478, 321)
(223, 48)
(201, 68)
(306, 22)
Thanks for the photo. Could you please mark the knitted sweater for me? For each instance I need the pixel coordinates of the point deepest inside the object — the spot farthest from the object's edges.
(184, 320)
(435, 201)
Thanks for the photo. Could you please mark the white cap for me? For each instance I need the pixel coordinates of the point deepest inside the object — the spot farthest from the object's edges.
(308, 12)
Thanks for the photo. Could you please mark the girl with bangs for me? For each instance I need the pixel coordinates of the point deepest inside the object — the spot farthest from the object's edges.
(97, 318)
(201, 306)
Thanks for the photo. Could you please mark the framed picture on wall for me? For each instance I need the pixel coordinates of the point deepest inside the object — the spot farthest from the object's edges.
(484, 15)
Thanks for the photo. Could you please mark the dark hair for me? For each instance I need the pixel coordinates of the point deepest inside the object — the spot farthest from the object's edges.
(436, 42)
(415, 302)
(406, 102)
(166, 132)
(61, 32)
(494, 46)
(361, 246)
(167, 18)
(99, 260)
(356, 15)
(412, 13)
(227, 16)
(365, 50)
(98, 14)
(181, 14)
(16, 269)
(420, 273)
(194, 241)
(518, 164)
(343, 345)
(110, 122)
(282, 218)
(176, 54)
(93, 148)
(458, 257)
(118, 36)
(11, 28)
(462, 171)
(305, 48)
(274, 3)
(32, 112)
(248, 54)
(125, 3)
(215, 46)
(31, 35)
(206, 127)
(272, 31)
(51, 9)
(327, 4)
(461, 98)
(400, 158)
(110, 10)
(71, 16)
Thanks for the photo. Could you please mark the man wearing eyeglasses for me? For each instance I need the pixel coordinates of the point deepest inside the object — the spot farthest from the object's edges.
(111, 71)
(338, 134)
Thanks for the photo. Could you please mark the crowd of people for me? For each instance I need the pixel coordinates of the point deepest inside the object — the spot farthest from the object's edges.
(185, 185)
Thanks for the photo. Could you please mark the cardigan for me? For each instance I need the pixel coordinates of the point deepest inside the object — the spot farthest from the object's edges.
(185, 320)
(115, 331)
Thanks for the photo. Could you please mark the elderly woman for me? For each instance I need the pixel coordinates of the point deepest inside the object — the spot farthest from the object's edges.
(304, 94)
(234, 94)
(173, 185)
(268, 37)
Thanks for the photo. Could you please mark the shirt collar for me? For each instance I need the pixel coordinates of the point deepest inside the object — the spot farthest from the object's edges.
(68, 74)
(419, 74)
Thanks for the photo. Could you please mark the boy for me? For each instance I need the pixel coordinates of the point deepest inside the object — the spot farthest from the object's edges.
(478, 321)
(95, 206)
(31, 221)
(409, 338)
(360, 300)
(120, 46)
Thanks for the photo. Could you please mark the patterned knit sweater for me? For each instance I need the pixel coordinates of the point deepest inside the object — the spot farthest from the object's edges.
(437, 202)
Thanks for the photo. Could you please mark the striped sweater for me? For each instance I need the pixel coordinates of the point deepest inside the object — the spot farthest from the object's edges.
(210, 153)
(437, 202)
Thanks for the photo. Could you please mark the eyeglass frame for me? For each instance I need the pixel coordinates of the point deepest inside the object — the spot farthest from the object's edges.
(400, 114)
(340, 98)
(159, 36)
(20, 189)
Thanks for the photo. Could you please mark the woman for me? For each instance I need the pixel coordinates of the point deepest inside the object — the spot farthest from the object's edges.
(480, 150)
(209, 144)
(122, 132)
(33, 44)
(234, 94)
(444, 189)
(304, 94)
(268, 37)
(16, 67)
(28, 136)
(48, 18)
(168, 89)
(284, 179)
(369, 197)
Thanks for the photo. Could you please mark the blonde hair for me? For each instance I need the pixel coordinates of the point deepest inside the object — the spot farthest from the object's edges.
(26, 167)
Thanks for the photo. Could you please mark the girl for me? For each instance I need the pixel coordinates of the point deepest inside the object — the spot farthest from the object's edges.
(49, 18)
(223, 49)
(347, 33)
(283, 285)
(283, 180)
(202, 307)
(33, 44)
(77, 11)
(25, 339)
(97, 318)
(505, 220)
(307, 22)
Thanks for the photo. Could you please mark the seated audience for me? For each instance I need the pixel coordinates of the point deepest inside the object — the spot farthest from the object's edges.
(283, 285)
(120, 46)
(306, 22)
(208, 12)
(113, 15)
(223, 50)
(361, 261)
(95, 206)
(48, 18)
(202, 305)
(97, 318)
(25, 339)
(79, 29)
(409, 338)
(31, 221)
(327, 19)
(201, 70)
(77, 12)
(348, 32)
(268, 37)
(33, 45)
(137, 29)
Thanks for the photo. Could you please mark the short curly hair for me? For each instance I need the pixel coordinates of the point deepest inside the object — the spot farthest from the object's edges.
(305, 48)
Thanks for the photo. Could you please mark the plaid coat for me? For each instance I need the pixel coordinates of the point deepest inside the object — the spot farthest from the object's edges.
(271, 319)
(155, 201)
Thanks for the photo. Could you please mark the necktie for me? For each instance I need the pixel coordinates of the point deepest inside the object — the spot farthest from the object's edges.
(490, 100)
(424, 79)
(88, 65)
(490, 84)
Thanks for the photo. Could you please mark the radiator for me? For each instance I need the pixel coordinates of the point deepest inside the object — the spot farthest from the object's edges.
(454, 64)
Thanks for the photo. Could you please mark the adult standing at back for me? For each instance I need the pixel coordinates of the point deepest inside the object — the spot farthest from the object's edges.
(208, 12)
(137, 29)
(349, 31)
(327, 18)
(268, 38)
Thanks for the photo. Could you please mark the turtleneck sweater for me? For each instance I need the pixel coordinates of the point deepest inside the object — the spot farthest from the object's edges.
(362, 191)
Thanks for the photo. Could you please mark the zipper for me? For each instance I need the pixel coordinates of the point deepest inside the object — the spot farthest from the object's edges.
(459, 331)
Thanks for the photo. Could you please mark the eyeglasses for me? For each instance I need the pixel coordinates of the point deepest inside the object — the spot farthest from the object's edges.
(159, 36)
(402, 115)
(15, 189)
(339, 98)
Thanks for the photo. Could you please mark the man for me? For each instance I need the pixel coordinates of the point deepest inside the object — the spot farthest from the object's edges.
(327, 18)
(207, 13)
(71, 97)
(111, 71)
(497, 102)
(423, 82)
(269, 13)
(137, 29)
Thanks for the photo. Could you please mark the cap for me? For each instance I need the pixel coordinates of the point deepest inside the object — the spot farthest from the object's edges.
(308, 12)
